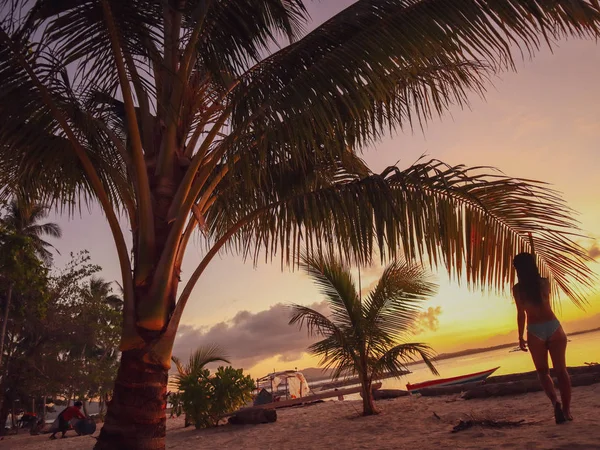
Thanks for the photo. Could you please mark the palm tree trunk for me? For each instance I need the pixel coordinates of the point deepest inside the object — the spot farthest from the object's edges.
(44, 408)
(367, 393)
(368, 403)
(4, 406)
(135, 418)
(5, 321)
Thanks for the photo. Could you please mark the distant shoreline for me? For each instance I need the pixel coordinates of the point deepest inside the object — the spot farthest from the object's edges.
(474, 351)
(314, 375)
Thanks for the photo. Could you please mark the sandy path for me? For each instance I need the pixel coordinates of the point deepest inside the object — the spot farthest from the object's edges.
(404, 423)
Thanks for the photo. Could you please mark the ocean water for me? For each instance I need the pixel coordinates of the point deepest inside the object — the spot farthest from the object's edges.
(582, 348)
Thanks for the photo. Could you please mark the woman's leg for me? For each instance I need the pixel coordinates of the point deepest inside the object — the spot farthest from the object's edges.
(558, 349)
(539, 354)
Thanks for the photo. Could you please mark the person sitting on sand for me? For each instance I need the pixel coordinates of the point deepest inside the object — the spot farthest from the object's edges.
(544, 332)
(65, 417)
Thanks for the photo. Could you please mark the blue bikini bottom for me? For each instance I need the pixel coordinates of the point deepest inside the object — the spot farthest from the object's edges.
(545, 330)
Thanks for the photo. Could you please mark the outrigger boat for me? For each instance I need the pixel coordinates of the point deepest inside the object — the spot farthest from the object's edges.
(290, 388)
(462, 379)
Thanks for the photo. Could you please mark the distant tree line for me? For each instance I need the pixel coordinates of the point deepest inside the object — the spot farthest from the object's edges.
(60, 326)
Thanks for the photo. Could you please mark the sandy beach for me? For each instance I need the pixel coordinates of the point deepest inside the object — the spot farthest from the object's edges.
(407, 422)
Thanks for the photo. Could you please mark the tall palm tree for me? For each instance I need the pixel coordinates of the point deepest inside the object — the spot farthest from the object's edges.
(23, 218)
(22, 232)
(99, 291)
(178, 115)
(361, 336)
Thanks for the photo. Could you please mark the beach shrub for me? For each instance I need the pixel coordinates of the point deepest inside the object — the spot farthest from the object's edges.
(206, 398)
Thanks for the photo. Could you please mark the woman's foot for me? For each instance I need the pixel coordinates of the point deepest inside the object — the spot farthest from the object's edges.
(559, 415)
(568, 415)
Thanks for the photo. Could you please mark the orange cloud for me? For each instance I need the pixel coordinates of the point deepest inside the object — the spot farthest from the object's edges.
(428, 320)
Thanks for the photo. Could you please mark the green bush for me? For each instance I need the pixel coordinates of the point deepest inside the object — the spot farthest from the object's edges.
(207, 398)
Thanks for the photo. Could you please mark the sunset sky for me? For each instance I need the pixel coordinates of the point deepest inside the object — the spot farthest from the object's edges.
(541, 123)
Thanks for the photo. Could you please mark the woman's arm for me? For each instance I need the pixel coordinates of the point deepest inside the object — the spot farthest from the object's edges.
(520, 320)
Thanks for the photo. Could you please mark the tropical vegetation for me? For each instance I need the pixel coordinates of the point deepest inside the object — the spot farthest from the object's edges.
(60, 327)
(178, 116)
(365, 336)
(204, 397)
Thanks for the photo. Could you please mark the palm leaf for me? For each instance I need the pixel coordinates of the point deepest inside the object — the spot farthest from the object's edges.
(181, 371)
(335, 282)
(471, 220)
(337, 349)
(393, 360)
(395, 302)
(198, 360)
(383, 63)
(22, 218)
(205, 355)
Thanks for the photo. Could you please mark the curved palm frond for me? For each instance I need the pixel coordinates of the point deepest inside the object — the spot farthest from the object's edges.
(181, 370)
(393, 360)
(198, 360)
(98, 289)
(227, 43)
(22, 219)
(316, 323)
(45, 229)
(373, 66)
(64, 22)
(337, 349)
(395, 302)
(342, 358)
(472, 220)
(205, 355)
(37, 156)
(335, 282)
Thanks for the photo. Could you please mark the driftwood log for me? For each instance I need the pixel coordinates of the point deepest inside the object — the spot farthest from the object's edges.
(573, 371)
(449, 390)
(517, 383)
(253, 416)
(385, 394)
(524, 386)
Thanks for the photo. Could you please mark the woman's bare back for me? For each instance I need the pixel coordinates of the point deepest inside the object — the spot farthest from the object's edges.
(536, 312)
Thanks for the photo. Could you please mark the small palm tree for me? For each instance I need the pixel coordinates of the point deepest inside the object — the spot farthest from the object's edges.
(23, 219)
(100, 291)
(362, 336)
(198, 360)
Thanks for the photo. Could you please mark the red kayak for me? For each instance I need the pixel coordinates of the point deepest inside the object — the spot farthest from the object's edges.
(462, 379)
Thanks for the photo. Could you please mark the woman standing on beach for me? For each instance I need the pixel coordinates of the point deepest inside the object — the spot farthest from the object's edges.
(544, 332)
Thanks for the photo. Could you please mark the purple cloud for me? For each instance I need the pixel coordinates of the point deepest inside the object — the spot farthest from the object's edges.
(249, 338)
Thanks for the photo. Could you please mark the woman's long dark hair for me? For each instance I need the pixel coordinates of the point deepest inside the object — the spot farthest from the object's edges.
(530, 281)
